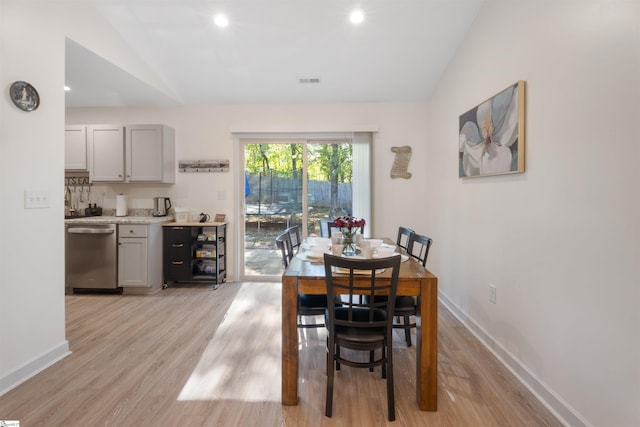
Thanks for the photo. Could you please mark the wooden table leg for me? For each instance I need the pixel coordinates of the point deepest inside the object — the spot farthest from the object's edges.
(427, 346)
(289, 341)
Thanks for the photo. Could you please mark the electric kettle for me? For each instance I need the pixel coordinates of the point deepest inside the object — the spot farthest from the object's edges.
(161, 206)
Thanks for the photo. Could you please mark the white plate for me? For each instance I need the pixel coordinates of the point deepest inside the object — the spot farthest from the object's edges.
(403, 257)
(313, 257)
(309, 245)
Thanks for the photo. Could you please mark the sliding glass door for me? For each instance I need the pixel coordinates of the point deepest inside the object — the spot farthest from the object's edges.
(303, 182)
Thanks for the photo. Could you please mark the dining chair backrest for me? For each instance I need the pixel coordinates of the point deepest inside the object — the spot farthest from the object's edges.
(349, 279)
(330, 228)
(294, 236)
(324, 228)
(404, 234)
(283, 243)
(419, 246)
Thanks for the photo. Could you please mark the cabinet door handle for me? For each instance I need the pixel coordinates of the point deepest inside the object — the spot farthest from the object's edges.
(178, 228)
(177, 246)
(177, 262)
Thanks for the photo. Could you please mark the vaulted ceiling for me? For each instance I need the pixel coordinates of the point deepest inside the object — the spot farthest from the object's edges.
(273, 51)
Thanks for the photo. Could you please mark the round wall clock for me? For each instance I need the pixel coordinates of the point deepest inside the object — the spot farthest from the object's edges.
(24, 96)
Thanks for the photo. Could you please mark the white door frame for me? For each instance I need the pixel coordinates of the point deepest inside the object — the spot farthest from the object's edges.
(362, 204)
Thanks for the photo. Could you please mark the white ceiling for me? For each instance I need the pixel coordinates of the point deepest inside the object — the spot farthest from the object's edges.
(397, 54)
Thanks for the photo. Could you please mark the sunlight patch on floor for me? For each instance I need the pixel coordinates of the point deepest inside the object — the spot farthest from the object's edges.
(243, 359)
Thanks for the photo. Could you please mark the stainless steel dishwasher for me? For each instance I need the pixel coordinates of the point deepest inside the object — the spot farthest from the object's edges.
(91, 260)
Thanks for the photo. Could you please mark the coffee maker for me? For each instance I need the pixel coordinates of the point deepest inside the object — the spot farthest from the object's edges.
(161, 206)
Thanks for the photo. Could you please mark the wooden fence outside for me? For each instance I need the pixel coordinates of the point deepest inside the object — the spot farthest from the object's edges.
(276, 190)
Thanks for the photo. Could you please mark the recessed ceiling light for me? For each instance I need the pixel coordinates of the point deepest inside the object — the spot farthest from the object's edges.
(221, 20)
(67, 88)
(357, 16)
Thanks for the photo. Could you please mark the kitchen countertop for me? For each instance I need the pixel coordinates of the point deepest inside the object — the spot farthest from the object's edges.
(119, 220)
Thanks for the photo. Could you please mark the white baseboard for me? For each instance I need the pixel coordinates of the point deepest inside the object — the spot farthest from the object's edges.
(31, 368)
(563, 411)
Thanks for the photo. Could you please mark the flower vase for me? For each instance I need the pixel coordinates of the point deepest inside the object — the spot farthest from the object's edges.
(349, 244)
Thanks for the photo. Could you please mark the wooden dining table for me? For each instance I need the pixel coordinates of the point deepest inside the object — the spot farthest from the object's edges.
(305, 277)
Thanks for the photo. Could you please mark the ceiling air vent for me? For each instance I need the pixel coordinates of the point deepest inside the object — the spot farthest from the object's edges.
(308, 80)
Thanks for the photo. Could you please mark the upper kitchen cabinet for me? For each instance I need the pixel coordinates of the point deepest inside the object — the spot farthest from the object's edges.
(106, 153)
(75, 148)
(150, 153)
(132, 153)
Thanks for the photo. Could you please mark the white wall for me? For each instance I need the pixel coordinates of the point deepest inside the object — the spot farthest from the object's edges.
(562, 241)
(31, 144)
(205, 132)
(559, 241)
(32, 322)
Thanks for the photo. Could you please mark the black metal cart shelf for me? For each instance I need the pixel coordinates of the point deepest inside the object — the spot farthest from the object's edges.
(195, 252)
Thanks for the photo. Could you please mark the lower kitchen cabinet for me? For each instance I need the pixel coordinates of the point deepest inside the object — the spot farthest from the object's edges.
(195, 252)
(139, 258)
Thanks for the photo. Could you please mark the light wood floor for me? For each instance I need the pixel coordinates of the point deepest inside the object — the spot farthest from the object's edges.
(147, 360)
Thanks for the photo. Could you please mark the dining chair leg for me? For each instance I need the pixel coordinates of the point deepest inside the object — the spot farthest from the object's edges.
(384, 365)
(391, 406)
(331, 364)
(407, 331)
(329, 402)
(371, 360)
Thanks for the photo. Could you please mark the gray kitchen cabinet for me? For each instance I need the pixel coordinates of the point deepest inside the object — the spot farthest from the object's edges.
(75, 147)
(139, 258)
(132, 153)
(150, 153)
(106, 153)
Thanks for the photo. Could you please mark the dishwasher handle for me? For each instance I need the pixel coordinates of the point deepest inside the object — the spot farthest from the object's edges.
(86, 230)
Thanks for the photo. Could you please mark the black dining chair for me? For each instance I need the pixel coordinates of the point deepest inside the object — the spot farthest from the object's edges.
(404, 234)
(326, 228)
(357, 325)
(418, 248)
(309, 305)
(283, 244)
(406, 306)
(294, 235)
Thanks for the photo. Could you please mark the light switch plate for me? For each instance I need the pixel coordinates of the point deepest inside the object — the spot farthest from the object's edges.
(493, 293)
(38, 199)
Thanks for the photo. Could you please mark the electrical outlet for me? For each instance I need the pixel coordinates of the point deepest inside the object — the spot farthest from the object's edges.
(492, 293)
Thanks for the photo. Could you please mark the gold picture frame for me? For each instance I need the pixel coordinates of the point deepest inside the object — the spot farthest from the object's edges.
(491, 136)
